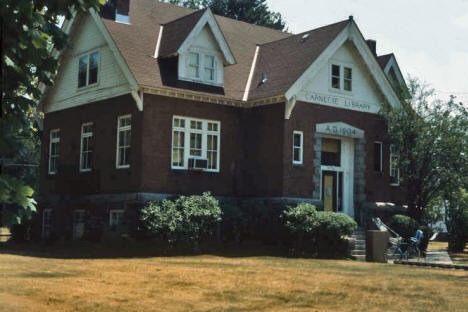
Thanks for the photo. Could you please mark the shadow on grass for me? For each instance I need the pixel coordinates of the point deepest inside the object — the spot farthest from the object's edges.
(146, 249)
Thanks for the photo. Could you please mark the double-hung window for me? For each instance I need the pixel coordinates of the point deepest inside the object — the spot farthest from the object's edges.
(297, 147)
(378, 154)
(54, 145)
(46, 223)
(116, 218)
(86, 151)
(124, 134)
(201, 67)
(194, 65)
(394, 170)
(195, 139)
(209, 68)
(88, 69)
(341, 77)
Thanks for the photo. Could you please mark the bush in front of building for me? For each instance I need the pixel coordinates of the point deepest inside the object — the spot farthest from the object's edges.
(319, 232)
(186, 218)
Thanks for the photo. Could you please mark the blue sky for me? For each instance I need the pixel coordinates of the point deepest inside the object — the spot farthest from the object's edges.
(428, 37)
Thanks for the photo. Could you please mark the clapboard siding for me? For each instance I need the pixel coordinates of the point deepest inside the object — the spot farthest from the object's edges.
(111, 82)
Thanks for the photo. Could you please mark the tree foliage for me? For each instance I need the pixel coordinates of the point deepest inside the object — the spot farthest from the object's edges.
(29, 34)
(431, 139)
(251, 11)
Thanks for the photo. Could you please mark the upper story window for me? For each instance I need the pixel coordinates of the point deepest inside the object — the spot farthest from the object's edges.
(54, 150)
(195, 144)
(201, 67)
(341, 77)
(86, 150)
(394, 170)
(88, 69)
(124, 134)
(297, 147)
(378, 153)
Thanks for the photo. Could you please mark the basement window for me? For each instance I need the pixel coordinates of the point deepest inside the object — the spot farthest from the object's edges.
(88, 68)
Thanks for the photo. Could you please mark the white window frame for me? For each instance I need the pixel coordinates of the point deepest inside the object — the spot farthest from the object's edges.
(116, 211)
(218, 71)
(204, 132)
(300, 147)
(381, 155)
(88, 56)
(394, 172)
(48, 226)
(197, 66)
(119, 129)
(342, 67)
(83, 136)
(56, 156)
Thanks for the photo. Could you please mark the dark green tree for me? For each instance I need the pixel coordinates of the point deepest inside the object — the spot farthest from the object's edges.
(431, 139)
(251, 11)
(30, 35)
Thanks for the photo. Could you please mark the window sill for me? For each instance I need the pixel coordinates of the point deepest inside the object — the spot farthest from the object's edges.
(85, 170)
(209, 83)
(79, 89)
(122, 167)
(175, 169)
(298, 165)
(340, 91)
(395, 184)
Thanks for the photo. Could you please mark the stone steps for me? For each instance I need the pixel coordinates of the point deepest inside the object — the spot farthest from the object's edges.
(359, 251)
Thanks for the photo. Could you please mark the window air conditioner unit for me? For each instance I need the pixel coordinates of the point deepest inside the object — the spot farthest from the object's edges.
(197, 163)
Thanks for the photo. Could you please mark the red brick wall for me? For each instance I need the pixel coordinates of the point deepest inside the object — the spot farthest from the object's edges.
(247, 160)
(104, 177)
(298, 179)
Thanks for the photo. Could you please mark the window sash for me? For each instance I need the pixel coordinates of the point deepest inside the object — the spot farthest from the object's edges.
(124, 134)
(194, 64)
(335, 76)
(116, 217)
(348, 79)
(195, 138)
(88, 69)
(54, 146)
(86, 149)
(394, 170)
(378, 156)
(297, 147)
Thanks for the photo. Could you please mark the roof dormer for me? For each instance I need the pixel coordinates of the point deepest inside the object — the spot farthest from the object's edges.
(200, 45)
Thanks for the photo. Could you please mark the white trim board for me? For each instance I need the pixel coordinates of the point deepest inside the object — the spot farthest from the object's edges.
(350, 32)
(208, 18)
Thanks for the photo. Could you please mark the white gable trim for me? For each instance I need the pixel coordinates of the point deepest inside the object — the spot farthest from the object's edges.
(158, 43)
(118, 57)
(392, 63)
(350, 32)
(208, 18)
(339, 129)
(252, 70)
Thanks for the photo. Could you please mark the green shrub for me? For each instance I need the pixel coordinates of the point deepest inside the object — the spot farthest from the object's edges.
(324, 230)
(187, 218)
(404, 225)
(232, 224)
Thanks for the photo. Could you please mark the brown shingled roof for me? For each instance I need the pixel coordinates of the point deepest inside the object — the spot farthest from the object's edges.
(137, 42)
(283, 57)
(284, 61)
(176, 32)
(384, 59)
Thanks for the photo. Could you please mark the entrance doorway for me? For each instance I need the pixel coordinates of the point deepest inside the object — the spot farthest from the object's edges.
(332, 190)
(337, 166)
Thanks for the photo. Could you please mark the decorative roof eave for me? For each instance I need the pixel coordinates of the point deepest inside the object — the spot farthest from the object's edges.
(208, 18)
(208, 98)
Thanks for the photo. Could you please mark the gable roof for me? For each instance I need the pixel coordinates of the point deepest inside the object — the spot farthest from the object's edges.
(284, 61)
(175, 32)
(384, 59)
(137, 43)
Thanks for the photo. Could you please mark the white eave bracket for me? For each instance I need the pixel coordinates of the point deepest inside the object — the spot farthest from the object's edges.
(138, 97)
(288, 108)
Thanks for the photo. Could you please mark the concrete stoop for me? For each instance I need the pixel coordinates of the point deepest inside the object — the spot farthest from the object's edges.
(359, 250)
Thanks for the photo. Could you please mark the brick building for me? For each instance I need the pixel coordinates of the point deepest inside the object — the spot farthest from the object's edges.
(154, 100)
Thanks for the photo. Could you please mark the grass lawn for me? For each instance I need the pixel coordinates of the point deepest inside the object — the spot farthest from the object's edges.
(215, 283)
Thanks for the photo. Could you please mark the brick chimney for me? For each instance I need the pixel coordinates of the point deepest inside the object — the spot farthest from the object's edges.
(117, 10)
(372, 46)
